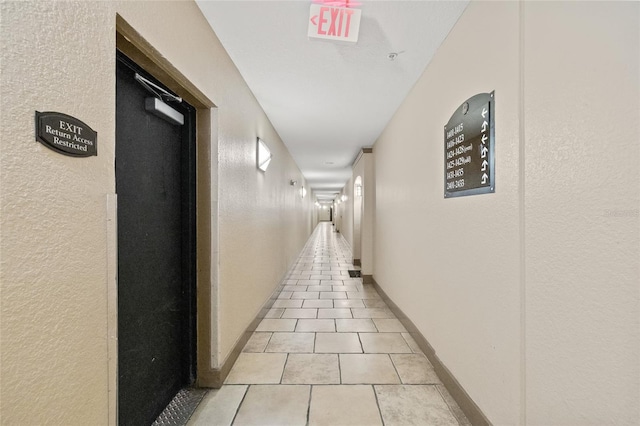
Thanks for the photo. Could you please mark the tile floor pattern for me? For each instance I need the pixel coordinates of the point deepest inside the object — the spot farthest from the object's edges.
(331, 353)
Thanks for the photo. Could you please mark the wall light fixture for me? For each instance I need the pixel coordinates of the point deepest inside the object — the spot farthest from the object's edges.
(263, 155)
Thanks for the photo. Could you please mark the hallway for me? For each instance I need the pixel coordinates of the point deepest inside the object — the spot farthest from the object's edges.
(329, 352)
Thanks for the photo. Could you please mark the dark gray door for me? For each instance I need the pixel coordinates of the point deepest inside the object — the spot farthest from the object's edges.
(155, 169)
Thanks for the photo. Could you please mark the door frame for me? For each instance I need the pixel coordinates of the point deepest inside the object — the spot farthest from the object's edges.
(134, 46)
(186, 203)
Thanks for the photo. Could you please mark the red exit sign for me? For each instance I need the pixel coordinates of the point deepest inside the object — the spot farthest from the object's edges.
(334, 23)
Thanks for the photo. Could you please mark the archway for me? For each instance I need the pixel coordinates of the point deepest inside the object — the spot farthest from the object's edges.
(357, 220)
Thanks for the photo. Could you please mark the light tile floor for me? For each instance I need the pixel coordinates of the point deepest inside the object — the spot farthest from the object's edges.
(329, 352)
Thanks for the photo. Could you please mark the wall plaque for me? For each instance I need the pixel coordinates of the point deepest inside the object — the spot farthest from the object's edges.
(65, 134)
(469, 140)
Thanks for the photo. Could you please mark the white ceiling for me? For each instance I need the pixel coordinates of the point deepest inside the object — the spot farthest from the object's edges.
(329, 99)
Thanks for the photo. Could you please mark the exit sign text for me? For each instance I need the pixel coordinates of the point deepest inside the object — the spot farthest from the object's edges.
(334, 23)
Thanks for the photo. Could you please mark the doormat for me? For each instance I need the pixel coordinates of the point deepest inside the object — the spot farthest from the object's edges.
(354, 274)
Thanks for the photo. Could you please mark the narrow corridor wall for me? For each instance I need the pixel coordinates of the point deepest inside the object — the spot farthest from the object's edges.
(57, 212)
(452, 265)
(530, 295)
(254, 208)
(324, 214)
(363, 249)
(582, 219)
(53, 214)
(347, 215)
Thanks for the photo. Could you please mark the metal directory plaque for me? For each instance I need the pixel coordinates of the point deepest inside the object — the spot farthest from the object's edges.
(66, 134)
(469, 140)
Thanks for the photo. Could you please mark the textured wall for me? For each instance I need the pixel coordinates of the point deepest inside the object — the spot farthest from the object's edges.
(582, 150)
(54, 261)
(453, 265)
(263, 221)
(347, 212)
(368, 213)
(364, 168)
(530, 295)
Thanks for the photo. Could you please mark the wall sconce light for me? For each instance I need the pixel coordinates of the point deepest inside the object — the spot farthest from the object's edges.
(343, 198)
(358, 190)
(293, 182)
(263, 155)
(317, 204)
(303, 192)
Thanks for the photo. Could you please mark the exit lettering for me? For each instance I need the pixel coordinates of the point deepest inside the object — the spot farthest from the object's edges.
(337, 19)
(335, 23)
(68, 127)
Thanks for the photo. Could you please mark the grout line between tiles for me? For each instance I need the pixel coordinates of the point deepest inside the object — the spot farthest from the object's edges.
(268, 341)
(396, 369)
(309, 405)
(361, 345)
(286, 360)
(246, 391)
(375, 395)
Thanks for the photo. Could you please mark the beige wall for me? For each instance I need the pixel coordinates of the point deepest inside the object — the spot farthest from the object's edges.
(315, 217)
(529, 295)
(53, 241)
(363, 248)
(323, 213)
(582, 228)
(347, 213)
(56, 210)
(453, 265)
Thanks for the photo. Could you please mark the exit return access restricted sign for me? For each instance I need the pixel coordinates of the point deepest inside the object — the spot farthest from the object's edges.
(334, 23)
